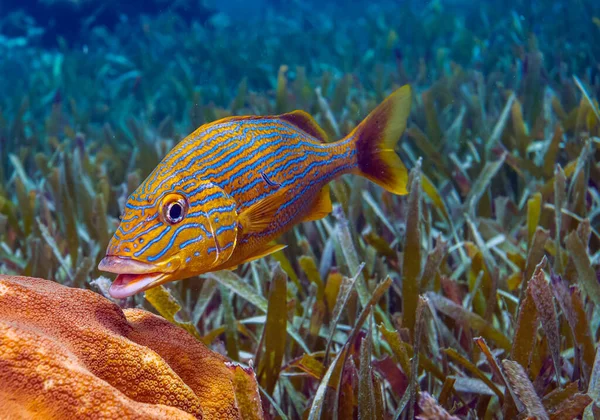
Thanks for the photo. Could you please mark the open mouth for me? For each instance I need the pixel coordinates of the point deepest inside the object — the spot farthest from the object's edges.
(133, 276)
(126, 285)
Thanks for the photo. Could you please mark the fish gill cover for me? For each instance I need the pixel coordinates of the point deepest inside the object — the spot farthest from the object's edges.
(477, 295)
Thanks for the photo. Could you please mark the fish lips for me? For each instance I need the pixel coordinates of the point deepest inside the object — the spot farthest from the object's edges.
(135, 276)
(126, 285)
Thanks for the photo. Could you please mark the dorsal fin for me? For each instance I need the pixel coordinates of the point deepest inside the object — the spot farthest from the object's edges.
(305, 122)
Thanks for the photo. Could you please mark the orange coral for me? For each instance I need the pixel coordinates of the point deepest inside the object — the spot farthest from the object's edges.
(68, 352)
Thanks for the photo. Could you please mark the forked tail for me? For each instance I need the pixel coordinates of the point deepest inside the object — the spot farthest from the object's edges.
(375, 139)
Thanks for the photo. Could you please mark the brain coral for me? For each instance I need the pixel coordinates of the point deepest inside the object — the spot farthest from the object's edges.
(70, 353)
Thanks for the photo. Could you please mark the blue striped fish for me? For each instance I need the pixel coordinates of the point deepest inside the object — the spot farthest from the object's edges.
(227, 191)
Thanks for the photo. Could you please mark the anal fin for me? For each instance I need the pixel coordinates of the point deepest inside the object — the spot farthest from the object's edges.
(321, 207)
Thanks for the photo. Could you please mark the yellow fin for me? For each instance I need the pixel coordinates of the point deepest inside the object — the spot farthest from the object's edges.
(305, 122)
(321, 207)
(259, 216)
(268, 249)
(376, 137)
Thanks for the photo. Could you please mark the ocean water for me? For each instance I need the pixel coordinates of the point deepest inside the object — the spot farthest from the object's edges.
(502, 145)
(253, 38)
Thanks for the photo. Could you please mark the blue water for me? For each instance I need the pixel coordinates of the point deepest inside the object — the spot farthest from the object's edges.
(143, 58)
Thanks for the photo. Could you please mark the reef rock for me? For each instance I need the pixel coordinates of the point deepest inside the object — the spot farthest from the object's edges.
(71, 353)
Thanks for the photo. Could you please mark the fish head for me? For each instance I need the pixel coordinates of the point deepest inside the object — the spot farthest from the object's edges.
(176, 232)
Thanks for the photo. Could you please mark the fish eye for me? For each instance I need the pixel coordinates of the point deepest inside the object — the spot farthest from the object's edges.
(174, 209)
(174, 212)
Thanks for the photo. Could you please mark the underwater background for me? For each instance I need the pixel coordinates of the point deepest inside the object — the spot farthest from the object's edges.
(477, 295)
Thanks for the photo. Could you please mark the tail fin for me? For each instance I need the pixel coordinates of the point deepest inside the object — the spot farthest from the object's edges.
(376, 137)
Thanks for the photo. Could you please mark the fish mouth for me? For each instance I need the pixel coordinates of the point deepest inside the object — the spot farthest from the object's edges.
(134, 276)
(126, 285)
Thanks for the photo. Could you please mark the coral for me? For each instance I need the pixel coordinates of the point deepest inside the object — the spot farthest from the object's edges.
(70, 352)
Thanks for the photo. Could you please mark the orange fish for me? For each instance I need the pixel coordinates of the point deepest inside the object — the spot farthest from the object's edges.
(228, 190)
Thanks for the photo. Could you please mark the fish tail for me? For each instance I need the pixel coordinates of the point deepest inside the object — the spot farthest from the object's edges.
(375, 140)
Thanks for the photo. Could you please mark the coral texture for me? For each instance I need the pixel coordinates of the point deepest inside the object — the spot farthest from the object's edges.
(68, 352)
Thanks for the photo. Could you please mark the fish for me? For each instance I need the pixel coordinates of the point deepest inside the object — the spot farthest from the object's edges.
(224, 194)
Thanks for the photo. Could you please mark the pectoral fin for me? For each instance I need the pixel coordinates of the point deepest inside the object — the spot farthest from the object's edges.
(321, 207)
(259, 216)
